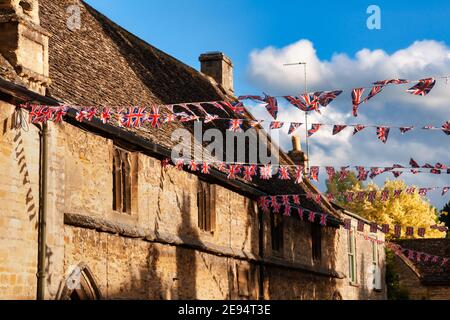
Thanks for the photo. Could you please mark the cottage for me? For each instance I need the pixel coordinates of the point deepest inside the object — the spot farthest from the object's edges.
(88, 211)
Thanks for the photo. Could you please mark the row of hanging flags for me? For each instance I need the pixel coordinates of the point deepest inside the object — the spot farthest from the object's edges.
(362, 227)
(297, 172)
(313, 101)
(135, 117)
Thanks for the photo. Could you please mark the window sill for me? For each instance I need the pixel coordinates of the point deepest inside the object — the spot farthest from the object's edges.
(353, 284)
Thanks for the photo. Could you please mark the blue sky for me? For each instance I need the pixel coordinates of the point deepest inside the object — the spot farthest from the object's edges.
(342, 53)
(186, 28)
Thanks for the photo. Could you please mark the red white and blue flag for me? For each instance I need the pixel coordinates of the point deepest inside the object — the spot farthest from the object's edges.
(375, 90)
(314, 128)
(154, 118)
(358, 128)
(235, 125)
(329, 96)
(446, 128)
(423, 87)
(338, 128)
(294, 126)
(383, 133)
(356, 99)
(274, 125)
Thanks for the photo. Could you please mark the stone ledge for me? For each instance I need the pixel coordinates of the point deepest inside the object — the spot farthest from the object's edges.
(124, 230)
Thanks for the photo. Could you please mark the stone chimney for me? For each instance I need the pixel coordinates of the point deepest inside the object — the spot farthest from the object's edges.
(24, 43)
(296, 154)
(219, 67)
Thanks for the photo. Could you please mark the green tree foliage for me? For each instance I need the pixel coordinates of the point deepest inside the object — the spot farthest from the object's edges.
(445, 217)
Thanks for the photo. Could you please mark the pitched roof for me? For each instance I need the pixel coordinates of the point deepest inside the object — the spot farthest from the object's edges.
(429, 273)
(104, 65)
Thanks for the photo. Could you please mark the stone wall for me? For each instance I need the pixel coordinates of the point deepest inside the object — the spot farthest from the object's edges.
(409, 281)
(157, 251)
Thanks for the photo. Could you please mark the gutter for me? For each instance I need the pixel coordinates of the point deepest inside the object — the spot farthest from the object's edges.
(43, 205)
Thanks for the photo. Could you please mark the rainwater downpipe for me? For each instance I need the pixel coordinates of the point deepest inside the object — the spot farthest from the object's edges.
(43, 199)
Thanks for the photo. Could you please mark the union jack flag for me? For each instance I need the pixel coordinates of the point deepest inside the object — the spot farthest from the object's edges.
(361, 226)
(34, 114)
(435, 171)
(287, 210)
(397, 193)
(435, 259)
(343, 174)
(349, 196)
(327, 97)
(266, 172)
(105, 115)
(375, 172)
(210, 118)
(410, 190)
(193, 166)
(276, 125)
(263, 203)
(222, 167)
(361, 195)
(356, 99)
(272, 105)
(81, 115)
(385, 228)
(348, 224)
(323, 219)
(384, 195)
(119, 117)
(60, 113)
(413, 163)
(311, 216)
(315, 127)
(362, 173)
(358, 128)
(205, 168)
(299, 174)
(284, 173)
(236, 107)
(165, 163)
(296, 102)
(375, 90)
(397, 173)
(294, 126)
(421, 232)
(170, 118)
(235, 125)
(249, 172)
(179, 164)
(410, 231)
(233, 170)
(423, 87)
(373, 227)
(383, 133)
(338, 128)
(410, 254)
(285, 200)
(134, 117)
(446, 128)
(314, 173)
(90, 113)
(372, 196)
(404, 130)
(397, 231)
(331, 172)
(444, 262)
(391, 81)
(423, 192)
(445, 190)
(312, 101)
(296, 199)
(276, 206)
(440, 166)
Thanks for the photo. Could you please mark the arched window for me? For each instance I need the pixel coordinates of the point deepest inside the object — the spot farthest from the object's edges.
(80, 285)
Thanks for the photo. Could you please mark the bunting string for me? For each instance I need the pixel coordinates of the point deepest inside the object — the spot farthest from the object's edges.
(135, 117)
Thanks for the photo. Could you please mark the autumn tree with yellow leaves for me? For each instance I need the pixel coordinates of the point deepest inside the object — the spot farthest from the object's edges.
(410, 210)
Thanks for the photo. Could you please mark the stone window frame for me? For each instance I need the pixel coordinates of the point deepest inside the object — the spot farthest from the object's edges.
(277, 234)
(124, 180)
(206, 205)
(352, 256)
(316, 242)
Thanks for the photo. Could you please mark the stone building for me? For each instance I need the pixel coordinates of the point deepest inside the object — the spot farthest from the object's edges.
(87, 210)
(420, 280)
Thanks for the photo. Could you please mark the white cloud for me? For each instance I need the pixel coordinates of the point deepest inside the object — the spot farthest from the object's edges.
(392, 107)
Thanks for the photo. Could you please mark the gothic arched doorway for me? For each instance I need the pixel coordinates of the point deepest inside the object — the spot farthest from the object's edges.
(80, 285)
